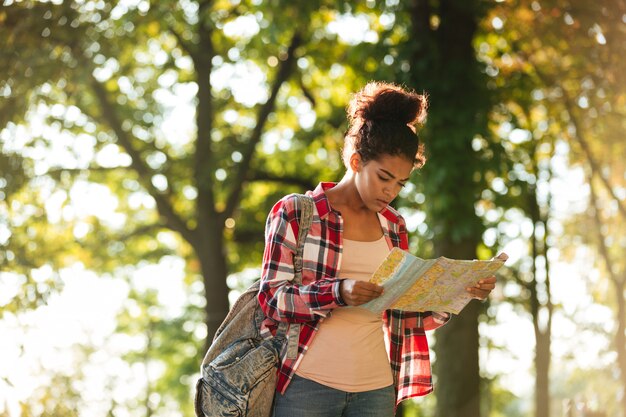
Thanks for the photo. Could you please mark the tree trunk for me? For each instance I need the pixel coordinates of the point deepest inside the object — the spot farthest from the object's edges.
(543, 329)
(618, 281)
(542, 369)
(443, 63)
(208, 239)
(543, 339)
(620, 344)
(457, 369)
(460, 363)
(541, 311)
(214, 271)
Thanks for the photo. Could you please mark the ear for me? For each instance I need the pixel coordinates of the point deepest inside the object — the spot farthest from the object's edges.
(355, 162)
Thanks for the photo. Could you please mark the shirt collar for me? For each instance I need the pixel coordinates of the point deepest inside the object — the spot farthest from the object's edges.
(390, 214)
(321, 201)
(324, 208)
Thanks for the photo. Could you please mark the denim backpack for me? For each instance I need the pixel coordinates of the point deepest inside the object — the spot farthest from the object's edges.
(239, 370)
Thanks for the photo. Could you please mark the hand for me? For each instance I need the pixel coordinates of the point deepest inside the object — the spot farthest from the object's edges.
(481, 290)
(484, 287)
(355, 293)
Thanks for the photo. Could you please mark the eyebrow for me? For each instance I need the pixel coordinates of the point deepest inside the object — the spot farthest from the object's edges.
(391, 175)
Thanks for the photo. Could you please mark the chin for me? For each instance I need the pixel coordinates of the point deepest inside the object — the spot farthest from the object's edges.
(378, 206)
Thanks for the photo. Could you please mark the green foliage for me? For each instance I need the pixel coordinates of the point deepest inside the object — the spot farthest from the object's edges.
(140, 107)
(169, 344)
(501, 402)
(119, 91)
(552, 66)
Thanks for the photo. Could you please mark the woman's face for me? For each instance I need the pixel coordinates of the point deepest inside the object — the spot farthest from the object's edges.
(380, 180)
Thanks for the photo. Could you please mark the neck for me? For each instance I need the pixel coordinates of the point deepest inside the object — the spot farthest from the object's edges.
(345, 195)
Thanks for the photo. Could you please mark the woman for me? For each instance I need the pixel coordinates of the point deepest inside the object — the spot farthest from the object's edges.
(351, 362)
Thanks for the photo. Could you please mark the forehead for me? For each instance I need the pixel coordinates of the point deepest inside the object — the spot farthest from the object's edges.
(396, 165)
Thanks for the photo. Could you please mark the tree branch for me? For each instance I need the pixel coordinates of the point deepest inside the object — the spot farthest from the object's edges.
(145, 173)
(284, 71)
(579, 136)
(58, 171)
(141, 230)
(582, 141)
(619, 281)
(295, 180)
(183, 43)
(604, 250)
(305, 90)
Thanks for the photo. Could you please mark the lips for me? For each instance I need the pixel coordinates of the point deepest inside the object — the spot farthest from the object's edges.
(384, 202)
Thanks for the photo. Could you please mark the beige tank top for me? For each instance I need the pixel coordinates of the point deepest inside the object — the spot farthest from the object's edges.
(348, 352)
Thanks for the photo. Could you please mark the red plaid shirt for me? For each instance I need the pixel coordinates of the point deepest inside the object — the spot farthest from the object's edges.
(310, 302)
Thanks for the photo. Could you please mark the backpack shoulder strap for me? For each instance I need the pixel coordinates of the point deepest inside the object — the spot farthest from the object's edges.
(307, 205)
(306, 218)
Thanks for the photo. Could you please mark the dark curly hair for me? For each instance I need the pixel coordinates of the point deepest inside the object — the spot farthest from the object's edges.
(382, 120)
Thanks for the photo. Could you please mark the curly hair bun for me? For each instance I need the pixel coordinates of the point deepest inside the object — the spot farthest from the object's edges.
(386, 102)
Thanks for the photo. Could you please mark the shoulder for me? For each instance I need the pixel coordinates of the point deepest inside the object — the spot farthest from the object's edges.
(290, 207)
(286, 215)
(285, 207)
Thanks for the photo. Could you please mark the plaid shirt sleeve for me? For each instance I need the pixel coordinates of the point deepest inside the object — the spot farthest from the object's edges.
(429, 320)
(279, 298)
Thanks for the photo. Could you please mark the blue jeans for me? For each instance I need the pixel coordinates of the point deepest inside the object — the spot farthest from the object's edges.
(306, 398)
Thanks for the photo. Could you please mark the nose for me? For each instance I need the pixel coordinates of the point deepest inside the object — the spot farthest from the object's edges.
(391, 191)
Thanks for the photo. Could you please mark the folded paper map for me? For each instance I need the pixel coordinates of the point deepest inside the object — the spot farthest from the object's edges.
(414, 284)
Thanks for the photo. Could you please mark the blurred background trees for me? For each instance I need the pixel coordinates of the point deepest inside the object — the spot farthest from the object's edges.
(143, 143)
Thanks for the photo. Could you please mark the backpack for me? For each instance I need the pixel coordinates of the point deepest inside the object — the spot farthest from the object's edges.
(239, 370)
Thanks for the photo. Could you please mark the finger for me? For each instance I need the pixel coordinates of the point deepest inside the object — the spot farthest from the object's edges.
(363, 300)
(485, 286)
(368, 292)
(489, 280)
(356, 301)
(366, 297)
(478, 293)
(478, 297)
(503, 257)
(367, 288)
(368, 285)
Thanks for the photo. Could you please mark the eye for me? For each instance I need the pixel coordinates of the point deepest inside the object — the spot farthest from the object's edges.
(384, 178)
